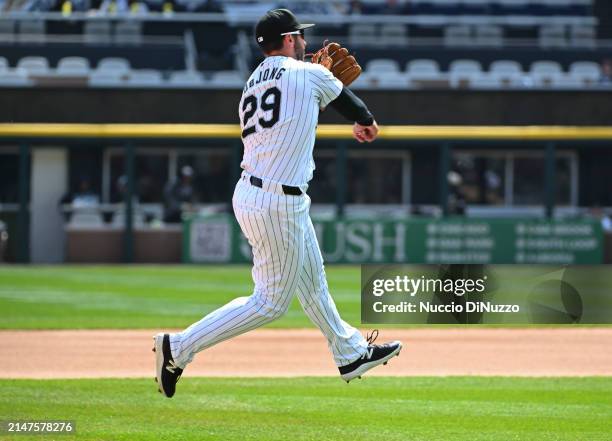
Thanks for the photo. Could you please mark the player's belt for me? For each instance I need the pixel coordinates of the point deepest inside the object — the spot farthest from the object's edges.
(287, 189)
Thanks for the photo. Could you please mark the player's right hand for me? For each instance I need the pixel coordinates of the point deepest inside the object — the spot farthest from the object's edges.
(365, 133)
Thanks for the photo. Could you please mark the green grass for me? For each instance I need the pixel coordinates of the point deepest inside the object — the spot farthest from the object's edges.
(131, 297)
(428, 409)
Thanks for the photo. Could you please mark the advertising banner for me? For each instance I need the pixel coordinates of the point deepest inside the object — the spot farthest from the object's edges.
(417, 240)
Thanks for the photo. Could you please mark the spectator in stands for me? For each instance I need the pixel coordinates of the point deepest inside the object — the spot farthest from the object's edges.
(160, 5)
(122, 188)
(83, 196)
(456, 198)
(27, 5)
(355, 7)
(177, 193)
(126, 7)
(606, 72)
(198, 6)
(114, 6)
(393, 7)
(69, 6)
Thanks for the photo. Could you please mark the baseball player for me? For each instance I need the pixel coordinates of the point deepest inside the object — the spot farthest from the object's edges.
(278, 113)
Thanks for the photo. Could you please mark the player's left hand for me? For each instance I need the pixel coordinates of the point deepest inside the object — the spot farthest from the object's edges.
(365, 133)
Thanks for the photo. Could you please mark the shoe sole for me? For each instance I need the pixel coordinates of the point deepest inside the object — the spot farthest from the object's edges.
(357, 373)
(158, 348)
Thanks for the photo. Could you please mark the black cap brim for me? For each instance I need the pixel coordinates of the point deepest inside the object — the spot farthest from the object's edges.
(304, 26)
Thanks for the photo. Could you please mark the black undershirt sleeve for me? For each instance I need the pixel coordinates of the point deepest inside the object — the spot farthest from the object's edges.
(352, 108)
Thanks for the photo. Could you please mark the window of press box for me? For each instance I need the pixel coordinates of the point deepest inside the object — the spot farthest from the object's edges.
(322, 187)
(529, 176)
(374, 180)
(9, 177)
(479, 179)
(84, 175)
(212, 174)
(150, 175)
(511, 178)
(371, 178)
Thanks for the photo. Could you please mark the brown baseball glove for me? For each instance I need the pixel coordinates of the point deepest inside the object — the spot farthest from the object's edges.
(337, 59)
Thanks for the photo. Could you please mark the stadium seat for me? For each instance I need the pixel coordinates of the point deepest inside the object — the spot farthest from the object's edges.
(461, 80)
(128, 32)
(15, 77)
(463, 73)
(105, 79)
(568, 82)
(227, 78)
(4, 65)
(423, 68)
(423, 71)
(465, 66)
(34, 65)
(362, 82)
(393, 35)
(31, 31)
(504, 73)
(545, 73)
(388, 80)
(7, 31)
(97, 32)
(186, 78)
(494, 80)
(552, 36)
(506, 67)
(363, 35)
(73, 66)
(458, 36)
(382, 65)
(551, 67)
(583, 36)
(489, 36)
(144, 77)
(588, 72)
(116, 65)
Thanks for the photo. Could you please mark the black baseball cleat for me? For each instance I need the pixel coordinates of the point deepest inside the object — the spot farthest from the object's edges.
(375, 355)
(167, 373)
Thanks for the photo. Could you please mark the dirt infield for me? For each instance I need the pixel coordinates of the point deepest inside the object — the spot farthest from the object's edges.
(282, 353)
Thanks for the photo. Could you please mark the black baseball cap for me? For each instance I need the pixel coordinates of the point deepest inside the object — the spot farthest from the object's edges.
(275, 23)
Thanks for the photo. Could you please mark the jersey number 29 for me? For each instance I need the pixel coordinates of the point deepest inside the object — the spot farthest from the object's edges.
(270, 100)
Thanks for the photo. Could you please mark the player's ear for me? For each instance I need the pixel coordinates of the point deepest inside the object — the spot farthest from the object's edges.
(286, 40)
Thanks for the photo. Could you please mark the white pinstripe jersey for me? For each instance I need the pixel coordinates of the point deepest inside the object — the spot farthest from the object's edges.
(279, 111)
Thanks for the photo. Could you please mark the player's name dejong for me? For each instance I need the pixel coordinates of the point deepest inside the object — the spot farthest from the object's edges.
(410, 307)
(264, 75)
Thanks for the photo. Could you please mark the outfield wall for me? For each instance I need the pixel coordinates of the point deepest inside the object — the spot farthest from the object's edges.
(431, 147)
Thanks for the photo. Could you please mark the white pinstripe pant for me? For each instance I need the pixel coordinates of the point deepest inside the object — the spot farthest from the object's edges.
(286, 260)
